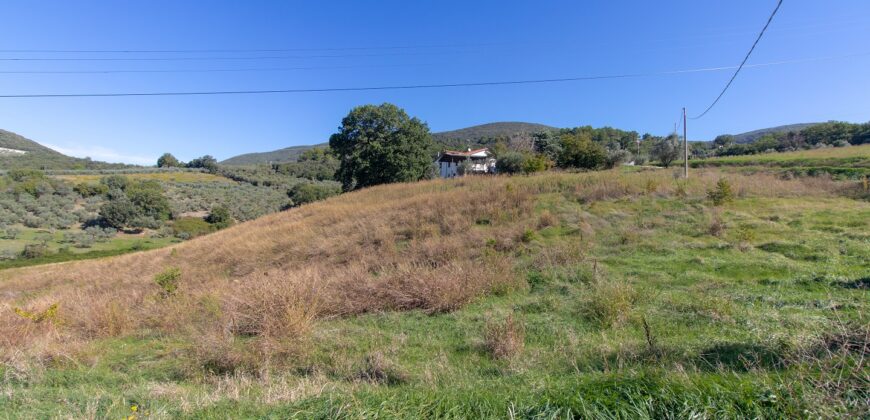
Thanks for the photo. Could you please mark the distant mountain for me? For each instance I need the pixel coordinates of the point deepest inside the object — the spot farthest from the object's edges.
(20, 152)
(492, 130)
(516, 134)
(751, 136)
(288, 154)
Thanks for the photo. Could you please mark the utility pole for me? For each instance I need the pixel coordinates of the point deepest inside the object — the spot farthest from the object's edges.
(686, 147)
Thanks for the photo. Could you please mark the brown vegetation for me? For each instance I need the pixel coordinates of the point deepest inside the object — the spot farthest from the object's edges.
(432, 246)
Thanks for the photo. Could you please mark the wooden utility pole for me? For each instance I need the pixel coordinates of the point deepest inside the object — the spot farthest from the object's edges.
(686, 147)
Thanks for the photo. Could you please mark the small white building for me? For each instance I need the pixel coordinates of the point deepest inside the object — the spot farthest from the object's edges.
(480, 161)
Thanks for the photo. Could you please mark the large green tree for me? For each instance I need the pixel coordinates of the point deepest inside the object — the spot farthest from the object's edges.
(579, 151)
(379, 144)
(168, 161)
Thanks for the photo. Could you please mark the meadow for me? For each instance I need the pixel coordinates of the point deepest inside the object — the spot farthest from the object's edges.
(606, 295)
(168, 176)
(845, 162)
(59, 247)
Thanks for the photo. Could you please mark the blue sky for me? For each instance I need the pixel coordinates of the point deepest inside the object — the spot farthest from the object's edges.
(372, 43)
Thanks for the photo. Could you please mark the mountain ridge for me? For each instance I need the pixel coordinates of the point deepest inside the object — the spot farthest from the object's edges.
(467, 136)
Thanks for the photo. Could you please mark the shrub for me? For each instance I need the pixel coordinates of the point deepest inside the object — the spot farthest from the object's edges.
(547, 219)
(665, 150)
(115, 182)
(535, 163)
(34, 251)
(615, 157)
(168, 281)
(310, 192)
(722, 193)
(579, 151)
(509, 163)
(11, 233)
(86, 189)
(191, 227)
(717, 225)
(220, 217)
(504, 339)
(118, 212)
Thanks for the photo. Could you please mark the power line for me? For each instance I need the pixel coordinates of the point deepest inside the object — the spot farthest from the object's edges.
(225, 58)
(245, 50)
(754, 44)
(272, 69)
(250, 69)
(425, 86)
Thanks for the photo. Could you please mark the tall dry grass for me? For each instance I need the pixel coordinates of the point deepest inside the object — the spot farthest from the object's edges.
(397, 247)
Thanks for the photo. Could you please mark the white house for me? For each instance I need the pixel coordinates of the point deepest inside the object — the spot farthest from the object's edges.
(481, 162)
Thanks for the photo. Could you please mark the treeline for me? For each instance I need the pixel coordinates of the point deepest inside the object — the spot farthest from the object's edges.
(587, 148)
(830, 134)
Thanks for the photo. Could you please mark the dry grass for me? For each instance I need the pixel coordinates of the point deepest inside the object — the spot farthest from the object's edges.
(505, 339)
(609, 302)
(432, 246)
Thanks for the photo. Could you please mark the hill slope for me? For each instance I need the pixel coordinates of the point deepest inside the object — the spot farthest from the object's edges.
(37, 156)
(288, 154)
(751, 136)
(592, 295)
(471, 136)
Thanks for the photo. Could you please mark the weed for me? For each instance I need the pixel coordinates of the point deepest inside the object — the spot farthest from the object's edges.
(717, 225)
(547, 219)
(49, 314)
(504, 339)
(168, 281)
(609, 303)
(377, 369)
(722, 193)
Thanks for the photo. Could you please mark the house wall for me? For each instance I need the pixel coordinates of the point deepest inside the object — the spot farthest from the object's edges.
(448, 169)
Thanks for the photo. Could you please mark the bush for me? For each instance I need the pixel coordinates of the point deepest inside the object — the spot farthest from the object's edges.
(168, 281)
(310, 192)
(86, 189)
(220, 217)
(510, 163)
(191, 227)
(32, 251)
(615, 157)
(118, 212)
(666, 150)
(722, 193)
(535, 163)
(579, 151)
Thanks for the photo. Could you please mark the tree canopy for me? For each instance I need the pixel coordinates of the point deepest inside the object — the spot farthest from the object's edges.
(168, 161)
(379, 144)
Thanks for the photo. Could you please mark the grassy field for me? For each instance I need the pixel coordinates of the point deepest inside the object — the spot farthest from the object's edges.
(845, 162)
(169, 176)
(601, 295)
(119, 244)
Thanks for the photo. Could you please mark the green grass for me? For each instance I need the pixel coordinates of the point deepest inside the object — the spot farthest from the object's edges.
(842, 162)
(725, 316)
(167, 176)
(120, 244)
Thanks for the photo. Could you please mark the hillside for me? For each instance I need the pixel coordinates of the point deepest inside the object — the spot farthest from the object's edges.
(479, 135)
(751, 136)
(843, 162)
(497, 129)
(579, 295)
(288, 154)
(37, 156)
